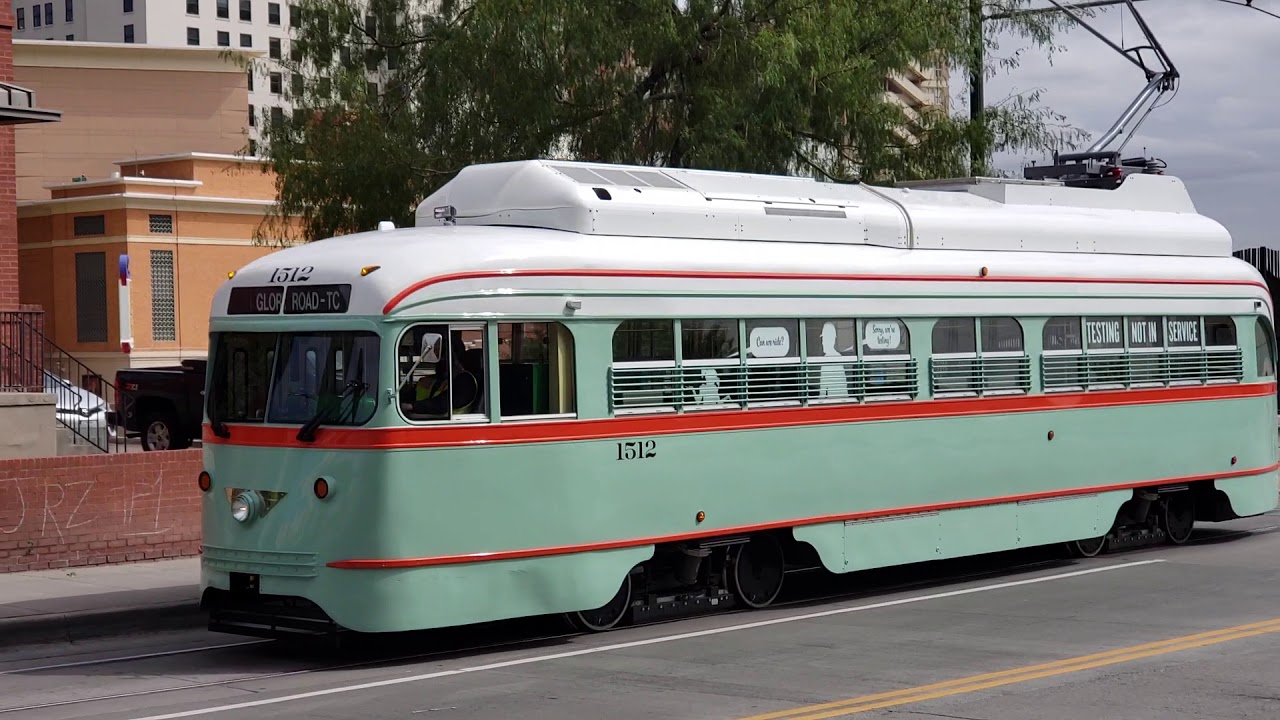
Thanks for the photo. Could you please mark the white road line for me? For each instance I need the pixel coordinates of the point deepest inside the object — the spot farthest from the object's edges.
(126, 658)
(639, 643)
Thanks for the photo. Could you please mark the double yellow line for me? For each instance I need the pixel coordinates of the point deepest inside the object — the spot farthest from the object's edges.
(878, 701)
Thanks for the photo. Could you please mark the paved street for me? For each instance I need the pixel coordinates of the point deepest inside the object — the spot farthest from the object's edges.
(1168, 633)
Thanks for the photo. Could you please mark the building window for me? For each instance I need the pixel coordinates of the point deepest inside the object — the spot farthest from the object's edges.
(277, 83)
(250, 79)
(246, 40)
(295, 16)
(297, 85)
(71, 10)
(128, 33)
(253, 117)
(160, 224)
(224, 9)
(163, 321)
(48, 13)
(273, 13)
(193, 36)
(224, 38)
(35, 16)
(128, 5)
(193, 7)
(71, 37)
(90, 225)
(91, 297)
(246, 10)
(277, 116)
(372, 89)
(253, 147)
(273, 48)
(21, 16)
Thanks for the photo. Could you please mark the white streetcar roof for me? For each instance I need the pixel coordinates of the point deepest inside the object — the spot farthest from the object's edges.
(511, 220)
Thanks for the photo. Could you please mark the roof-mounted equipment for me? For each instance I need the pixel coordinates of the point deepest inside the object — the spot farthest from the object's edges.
(1099, 167)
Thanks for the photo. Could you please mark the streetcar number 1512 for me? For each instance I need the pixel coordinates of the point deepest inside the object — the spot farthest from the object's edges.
(637, 450)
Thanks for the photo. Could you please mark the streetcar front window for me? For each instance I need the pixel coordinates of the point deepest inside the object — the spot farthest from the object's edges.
(293, 378)
(334, 372)
(241, 376)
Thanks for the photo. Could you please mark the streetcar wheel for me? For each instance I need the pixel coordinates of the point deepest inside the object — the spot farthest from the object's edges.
(1178, 514)
(1088, 548)
(756, 573)
(607, 616)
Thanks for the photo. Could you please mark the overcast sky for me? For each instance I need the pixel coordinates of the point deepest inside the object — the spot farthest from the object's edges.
(1220, 134)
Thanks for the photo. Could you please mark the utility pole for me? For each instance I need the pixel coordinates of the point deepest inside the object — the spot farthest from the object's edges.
(977, 104)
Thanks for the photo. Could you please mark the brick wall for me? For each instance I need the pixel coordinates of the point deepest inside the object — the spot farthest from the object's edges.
(60, 512)
(8, 175)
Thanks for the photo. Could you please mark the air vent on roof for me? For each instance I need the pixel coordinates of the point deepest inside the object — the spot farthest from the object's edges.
(624, 178)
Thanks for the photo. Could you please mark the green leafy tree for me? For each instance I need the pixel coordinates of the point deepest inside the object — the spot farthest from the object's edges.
(392, 100)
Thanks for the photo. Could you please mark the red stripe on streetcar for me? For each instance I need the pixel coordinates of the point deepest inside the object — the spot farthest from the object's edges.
(507, 433)
(842, 517)
(710, 275)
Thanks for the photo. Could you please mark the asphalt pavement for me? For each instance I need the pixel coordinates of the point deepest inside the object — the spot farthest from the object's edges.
(1168, 632)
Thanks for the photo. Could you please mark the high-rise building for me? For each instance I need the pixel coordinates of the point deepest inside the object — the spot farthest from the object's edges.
(260, 25)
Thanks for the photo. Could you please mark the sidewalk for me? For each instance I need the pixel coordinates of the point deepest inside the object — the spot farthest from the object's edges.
(76, 603)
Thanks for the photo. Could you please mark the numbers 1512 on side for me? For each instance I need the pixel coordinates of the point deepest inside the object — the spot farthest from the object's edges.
(637, 450)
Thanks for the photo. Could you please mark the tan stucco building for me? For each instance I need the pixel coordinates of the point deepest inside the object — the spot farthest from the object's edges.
(121, 101)
(184, 221)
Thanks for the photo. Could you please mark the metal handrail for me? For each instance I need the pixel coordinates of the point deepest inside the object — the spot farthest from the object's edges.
(31, 362)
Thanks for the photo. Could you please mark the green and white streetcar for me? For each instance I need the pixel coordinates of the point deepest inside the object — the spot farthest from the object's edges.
(611, 392)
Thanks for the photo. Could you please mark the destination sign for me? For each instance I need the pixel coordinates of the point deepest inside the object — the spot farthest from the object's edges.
(255, 300)
(317, 299)
(1183, 331)
(1144, 332)
(1104, 333)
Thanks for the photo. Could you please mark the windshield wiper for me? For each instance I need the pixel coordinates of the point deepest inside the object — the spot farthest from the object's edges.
(219, 428)
(307, 433)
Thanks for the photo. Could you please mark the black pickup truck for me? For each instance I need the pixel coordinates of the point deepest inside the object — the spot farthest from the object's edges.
(164, 405)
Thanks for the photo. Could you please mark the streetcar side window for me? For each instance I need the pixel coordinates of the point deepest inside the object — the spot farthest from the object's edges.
(1063, 363)
(1104, 345)
(535, 369)
(832, 364)
(954, 362)
(643, 376)
(442, 372)
(1140, 351)
(1219, 331)
(758, 362)
(711, 372)
(1005, 367)
(1223, 361)
(774, 374)
(888, 371)
(1264, 348)
(979, 356)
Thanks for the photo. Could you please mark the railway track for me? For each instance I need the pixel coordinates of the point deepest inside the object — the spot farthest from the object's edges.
(816, 589)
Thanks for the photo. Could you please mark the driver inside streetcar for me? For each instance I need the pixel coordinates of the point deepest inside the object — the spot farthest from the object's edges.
(431, 396)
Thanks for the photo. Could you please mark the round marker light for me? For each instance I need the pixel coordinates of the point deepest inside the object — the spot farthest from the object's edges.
(701, 516)
(205, 481)
(321, 488)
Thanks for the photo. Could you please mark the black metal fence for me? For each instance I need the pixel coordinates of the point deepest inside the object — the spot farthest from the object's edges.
(85, 402)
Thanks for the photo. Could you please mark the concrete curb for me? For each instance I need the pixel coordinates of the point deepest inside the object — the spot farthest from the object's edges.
(71, 627)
